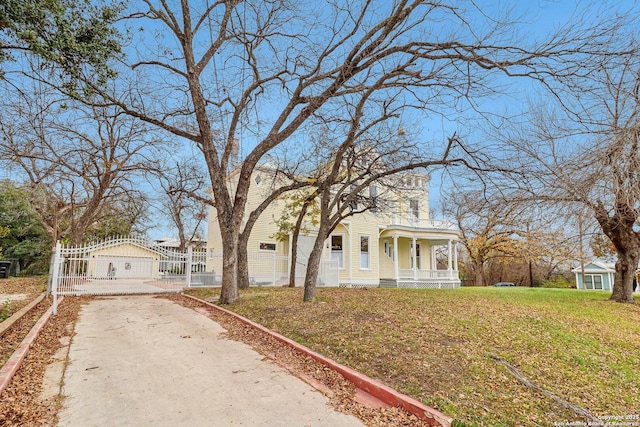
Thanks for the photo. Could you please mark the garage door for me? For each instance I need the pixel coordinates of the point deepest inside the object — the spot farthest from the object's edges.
(128, 267)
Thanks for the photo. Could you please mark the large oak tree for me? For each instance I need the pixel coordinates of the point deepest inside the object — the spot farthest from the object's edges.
(258, 71)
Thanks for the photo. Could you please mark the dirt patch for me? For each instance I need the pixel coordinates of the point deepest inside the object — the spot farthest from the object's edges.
(12, 297)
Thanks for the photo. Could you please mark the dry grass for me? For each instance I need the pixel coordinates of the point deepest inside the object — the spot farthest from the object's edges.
(435, 345)
(30, 287)
(21, 404)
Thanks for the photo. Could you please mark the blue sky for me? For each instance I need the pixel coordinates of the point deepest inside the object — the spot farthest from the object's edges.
(537, 19)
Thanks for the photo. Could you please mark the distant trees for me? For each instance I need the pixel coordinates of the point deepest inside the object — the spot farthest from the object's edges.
(509, 240)
(22, 236)
(185, 199)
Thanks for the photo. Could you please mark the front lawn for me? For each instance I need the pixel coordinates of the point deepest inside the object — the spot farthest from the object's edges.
(440, 346)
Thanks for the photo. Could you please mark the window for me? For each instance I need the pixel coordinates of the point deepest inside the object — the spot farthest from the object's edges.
(373, 198)
(388, 249)
(593, 281)
(364, 252)
(353, 205)
(257, 179)
(265, 246)
(414, 208)
(336, 250)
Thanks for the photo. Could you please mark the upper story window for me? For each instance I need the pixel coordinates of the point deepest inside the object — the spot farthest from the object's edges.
(414, 208)
(373, 198)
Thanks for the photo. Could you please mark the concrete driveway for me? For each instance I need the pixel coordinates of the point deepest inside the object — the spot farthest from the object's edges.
(145, 361)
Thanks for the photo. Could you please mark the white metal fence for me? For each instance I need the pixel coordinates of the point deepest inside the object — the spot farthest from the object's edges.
(129, 265)
(122, 265)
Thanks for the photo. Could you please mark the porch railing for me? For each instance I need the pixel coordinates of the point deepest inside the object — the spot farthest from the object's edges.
(438, 224)
(408, 274)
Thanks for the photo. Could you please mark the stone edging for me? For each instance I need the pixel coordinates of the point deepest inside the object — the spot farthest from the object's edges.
(13, 364)
(18, 314)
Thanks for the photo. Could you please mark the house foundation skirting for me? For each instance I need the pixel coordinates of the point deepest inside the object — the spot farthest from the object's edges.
(371, 283)
(420, 284)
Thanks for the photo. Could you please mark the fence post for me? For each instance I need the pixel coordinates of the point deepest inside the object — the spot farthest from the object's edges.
(274, 269)
(55, 274)
(188, 266)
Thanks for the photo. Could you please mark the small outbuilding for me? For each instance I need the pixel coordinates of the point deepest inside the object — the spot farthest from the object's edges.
(597, 276)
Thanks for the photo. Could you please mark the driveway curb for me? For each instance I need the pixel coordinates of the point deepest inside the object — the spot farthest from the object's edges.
(15, 361)
(375, 388)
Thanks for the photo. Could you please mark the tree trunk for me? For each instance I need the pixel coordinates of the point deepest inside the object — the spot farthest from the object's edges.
(294, 259)
(294, 244)
(619, 229)
(229, 292)
(313, 265)
(626, 266)
(243, 262)
(478, 273)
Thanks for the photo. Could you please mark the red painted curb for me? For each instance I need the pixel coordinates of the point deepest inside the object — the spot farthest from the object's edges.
(15, 361)
(380, 391)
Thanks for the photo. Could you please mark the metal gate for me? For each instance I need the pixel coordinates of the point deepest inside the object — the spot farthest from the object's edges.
(121, 265)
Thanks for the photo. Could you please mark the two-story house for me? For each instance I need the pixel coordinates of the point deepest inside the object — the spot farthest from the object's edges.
(396, 245)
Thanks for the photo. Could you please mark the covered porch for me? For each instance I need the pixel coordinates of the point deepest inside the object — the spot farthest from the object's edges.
(414, 258)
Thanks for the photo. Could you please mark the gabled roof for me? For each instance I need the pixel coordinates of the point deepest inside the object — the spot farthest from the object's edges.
(597, 266)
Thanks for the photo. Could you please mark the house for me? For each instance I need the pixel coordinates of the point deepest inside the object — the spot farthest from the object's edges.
(597, 276)
(398, 245)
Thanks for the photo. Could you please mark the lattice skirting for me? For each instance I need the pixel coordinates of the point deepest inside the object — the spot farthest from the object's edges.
(429, 285)
(401, 284)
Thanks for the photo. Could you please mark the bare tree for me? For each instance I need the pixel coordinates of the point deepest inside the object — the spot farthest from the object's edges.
(185, 211)
(499, 229)
(79, 162)
(359, 162)
(215, 73)
(486, 228)
(585, 152)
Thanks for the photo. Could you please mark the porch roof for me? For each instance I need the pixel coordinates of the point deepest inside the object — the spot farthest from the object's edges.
(418, 233)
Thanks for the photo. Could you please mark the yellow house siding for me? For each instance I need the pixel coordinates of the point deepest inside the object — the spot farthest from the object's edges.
(262, 231)
(365, 224)
(387, 223)
(387, 270)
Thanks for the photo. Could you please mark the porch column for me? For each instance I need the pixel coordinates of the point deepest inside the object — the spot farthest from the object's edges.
(348, 227)
(449, 257)
(415, 258)
(434, 264)
(455, 256)
(396, 273)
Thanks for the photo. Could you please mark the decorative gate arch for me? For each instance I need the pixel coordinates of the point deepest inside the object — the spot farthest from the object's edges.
(123, 265)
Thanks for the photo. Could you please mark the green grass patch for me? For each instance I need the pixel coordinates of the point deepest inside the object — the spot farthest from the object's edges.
(435, 346)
